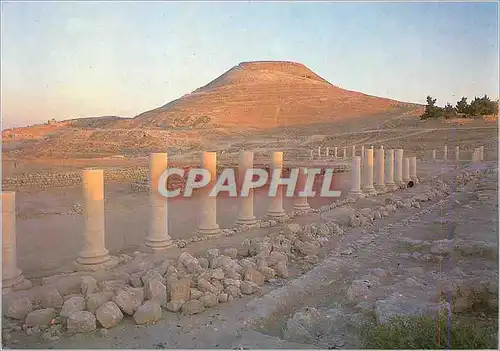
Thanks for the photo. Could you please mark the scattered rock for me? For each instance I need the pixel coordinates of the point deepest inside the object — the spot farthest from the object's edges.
(129, 300)
(148, 312)
(81, 321)
(51, 298)
(254, 276)
(209, 300)
(179, 289)
(155, 290)
(93, 301)
(88, 285)
(40, 318)
(109, 314)
(249, 287)
(192, 307)
(71, 305)
(17, 307)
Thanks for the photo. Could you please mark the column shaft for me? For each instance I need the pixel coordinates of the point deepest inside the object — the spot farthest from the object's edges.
(12, 278)
(355, 190)
(368, 173)
(406, 170)
(158, 238)
(390, 170)
(208, 214)
(276, 206)
(445, 152)
(245, 215)
(413, 169)
(398, 167)
(457, 153)
(94, 247)
(379, 170)
(300, 202)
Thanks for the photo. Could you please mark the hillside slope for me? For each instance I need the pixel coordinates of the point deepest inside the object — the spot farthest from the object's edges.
(263, 94)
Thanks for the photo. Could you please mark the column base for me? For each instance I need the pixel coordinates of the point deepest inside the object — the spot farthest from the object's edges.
(370, 190)
(276, 214)
(111, 263)
(355, 194)
(16, 283)
(246, 221)
(158, 245)
(301, 207)
(391, 186)
(87, 258)
(208, 231)
(380, 188)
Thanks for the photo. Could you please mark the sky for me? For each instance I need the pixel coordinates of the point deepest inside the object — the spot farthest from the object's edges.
(78, 59)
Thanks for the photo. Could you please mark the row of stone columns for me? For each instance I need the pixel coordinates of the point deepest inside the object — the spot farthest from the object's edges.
(457, 153)
(384, 174)
(158, 239)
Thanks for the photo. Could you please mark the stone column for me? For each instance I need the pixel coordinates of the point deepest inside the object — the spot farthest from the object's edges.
(379, 170)
(368, 173)
(208, 216)
(413, 169)
(406, 170)
(457, 153)
(245, 215)
(300, 202)
(434, 155)
(345, 153)
(312, 155)
(398, 167)
(335, 149)
(94, 249)
(390, 185)
(445, 153)
(481, 153)
(362, 152)
(319, 151)
(353, 150)
(476, 155)
(276, 208)
(327, 152)
(158, 238)
(12, 277)
(355, 191)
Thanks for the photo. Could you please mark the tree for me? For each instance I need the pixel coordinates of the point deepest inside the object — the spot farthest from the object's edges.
(431, 110)
(449, 111)
(463, 106)
(483, 106)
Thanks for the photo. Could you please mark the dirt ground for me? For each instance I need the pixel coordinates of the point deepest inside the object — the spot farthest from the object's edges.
(50, 225)
(398, 255)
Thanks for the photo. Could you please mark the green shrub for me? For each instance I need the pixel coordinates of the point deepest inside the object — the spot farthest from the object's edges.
(426, 332)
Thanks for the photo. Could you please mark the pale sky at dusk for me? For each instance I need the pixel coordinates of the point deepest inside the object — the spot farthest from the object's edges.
(67, 60)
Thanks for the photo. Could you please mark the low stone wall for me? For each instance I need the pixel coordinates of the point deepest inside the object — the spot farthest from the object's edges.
(61, 179)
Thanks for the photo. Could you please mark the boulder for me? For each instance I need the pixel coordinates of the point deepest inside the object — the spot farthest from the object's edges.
(179, 290)
(209, 300)
(40, 318)
(71, 305)
(192, 307)
(88, 285)
(93, 301)
(249, 287)
(149, 312)
(51, 298)
(129, 300)
(254, 276)
(109, 314)
(81, 321)
(155, 290)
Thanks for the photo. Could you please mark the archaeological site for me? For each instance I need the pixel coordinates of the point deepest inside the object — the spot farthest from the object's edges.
(383, 229)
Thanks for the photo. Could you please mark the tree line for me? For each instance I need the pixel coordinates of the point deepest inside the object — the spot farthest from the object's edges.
(478, 107)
